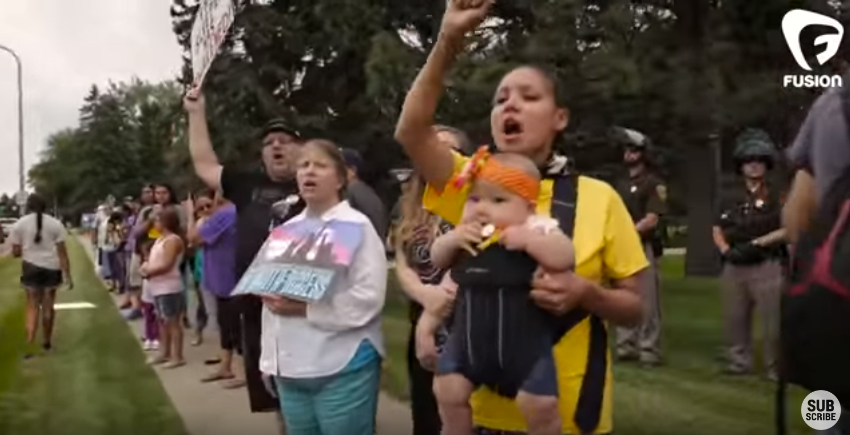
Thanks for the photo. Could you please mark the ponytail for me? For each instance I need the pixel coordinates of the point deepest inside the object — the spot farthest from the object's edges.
(36, 204)
(39, 218)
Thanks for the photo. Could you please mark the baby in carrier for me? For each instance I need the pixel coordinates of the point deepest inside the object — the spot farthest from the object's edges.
(499, 337)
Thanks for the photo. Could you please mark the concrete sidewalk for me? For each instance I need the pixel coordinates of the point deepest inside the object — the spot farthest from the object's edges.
(208, 409)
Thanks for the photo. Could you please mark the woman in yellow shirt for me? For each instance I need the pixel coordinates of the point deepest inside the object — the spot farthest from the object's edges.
(526, 119)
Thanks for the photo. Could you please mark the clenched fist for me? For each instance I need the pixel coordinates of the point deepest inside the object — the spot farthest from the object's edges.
(463, 16)
(194, 102)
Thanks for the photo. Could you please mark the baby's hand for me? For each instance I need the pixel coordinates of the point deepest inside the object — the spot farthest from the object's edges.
(542, 224)
(467, 235)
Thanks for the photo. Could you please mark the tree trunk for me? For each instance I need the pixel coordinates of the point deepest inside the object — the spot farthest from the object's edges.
(702, 155)
(703, 161)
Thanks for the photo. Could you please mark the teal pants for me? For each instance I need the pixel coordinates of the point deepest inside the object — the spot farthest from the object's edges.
(342, 404)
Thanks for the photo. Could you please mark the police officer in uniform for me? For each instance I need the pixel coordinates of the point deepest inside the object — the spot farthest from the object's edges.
(645, 195)
(749, 235)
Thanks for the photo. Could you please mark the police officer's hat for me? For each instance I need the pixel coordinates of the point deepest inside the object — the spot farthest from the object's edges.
(754, 144)
(631, 139)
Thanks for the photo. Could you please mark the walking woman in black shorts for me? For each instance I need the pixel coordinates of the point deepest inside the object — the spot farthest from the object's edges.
(39, 239)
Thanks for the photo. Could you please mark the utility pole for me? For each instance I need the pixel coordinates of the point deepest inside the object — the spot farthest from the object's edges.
(21, 180)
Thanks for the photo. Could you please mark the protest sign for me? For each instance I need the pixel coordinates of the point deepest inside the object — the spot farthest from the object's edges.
(302, 260)
(211, 24)
(88, 221)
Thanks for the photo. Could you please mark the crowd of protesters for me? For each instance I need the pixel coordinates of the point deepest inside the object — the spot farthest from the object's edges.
(584, 251)
(302, 359)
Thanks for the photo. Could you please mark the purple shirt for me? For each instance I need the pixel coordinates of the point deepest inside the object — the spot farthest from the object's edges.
(130, 241)
(218, 233)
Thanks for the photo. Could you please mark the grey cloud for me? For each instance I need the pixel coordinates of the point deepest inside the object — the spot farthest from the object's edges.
(66, 47)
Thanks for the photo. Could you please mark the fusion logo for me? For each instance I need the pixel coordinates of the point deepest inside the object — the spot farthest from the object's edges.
(793, 24)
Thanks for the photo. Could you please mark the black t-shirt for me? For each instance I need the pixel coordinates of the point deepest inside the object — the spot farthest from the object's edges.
(364, 199)
(254, 194)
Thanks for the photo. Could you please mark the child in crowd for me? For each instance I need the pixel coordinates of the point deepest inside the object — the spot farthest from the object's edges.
(499, 337)
(165, 283)
(151, 333)
(144, 245)
(113, 250)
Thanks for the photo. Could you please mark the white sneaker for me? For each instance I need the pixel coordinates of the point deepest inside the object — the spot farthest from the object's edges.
(148, 345)
(155, 345)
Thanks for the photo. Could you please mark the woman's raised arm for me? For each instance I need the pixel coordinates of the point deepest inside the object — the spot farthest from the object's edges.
(415, 128)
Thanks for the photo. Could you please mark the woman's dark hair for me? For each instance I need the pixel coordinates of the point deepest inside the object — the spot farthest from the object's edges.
(333, 152)
(549, 77)
(209, 194)
(36, 204)
(169, 219)
(205, 193)
(116, 217)
(172, 197)
(465, 145)
(149, 186)
(144, 245)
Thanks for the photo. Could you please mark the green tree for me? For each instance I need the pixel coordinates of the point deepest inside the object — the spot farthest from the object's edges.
(126, 137)
(691, 75)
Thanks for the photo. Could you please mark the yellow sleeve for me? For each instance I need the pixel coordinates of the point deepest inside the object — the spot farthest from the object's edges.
(448, 202)
(623, 254)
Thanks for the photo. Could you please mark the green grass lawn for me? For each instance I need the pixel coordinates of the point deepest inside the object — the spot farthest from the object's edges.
(95, 383)
(686, 396)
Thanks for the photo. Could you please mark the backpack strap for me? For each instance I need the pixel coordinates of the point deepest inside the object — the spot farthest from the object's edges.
(589, 404)
(564, 201)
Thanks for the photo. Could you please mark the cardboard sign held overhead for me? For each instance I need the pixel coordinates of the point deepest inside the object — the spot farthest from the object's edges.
(208, 31)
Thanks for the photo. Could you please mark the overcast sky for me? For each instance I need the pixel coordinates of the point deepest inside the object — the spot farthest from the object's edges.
(66, 46)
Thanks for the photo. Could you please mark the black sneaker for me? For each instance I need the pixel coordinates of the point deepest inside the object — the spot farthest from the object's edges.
(47, 347)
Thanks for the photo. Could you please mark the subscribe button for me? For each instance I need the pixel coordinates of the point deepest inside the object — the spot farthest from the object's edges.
(821, 410)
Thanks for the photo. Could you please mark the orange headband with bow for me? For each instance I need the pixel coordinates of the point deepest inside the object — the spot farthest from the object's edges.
(481, 167)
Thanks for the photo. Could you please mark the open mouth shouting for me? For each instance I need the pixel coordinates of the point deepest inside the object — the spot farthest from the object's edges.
(512, 129)
(308, 185)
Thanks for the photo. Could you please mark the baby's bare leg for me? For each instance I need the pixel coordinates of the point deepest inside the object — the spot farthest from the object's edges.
(453, 392)
(540, 412)
(538, 398)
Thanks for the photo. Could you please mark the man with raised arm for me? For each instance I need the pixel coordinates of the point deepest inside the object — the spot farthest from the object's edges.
(263, 200)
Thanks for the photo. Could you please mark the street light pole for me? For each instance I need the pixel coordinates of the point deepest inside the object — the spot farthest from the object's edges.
(20, 117)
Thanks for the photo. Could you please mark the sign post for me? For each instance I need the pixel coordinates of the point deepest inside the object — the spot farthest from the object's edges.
(21, 198)
(212, 22)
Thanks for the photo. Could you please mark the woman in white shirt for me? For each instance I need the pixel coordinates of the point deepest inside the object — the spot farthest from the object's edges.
(39, 239)
(325, 356)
